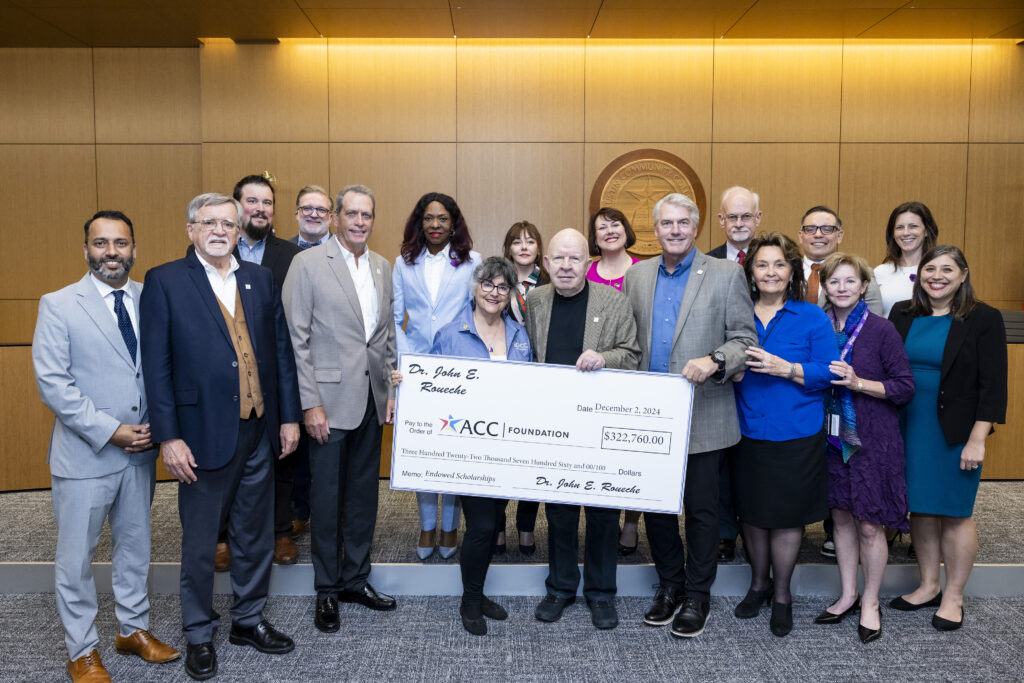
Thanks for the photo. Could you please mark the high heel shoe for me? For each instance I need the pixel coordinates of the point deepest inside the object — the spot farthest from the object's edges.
(902, 605)
(868, 634)
(528, 548)
(427, 544)
(448, 543)
(750, 606)
(782, 619)
(827, 617)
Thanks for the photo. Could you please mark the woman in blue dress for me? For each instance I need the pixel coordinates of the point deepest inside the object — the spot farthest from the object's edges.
(431, 285)
(957, 350)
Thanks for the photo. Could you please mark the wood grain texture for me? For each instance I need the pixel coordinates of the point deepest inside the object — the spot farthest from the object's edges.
(24, 422)
(874, 179)
(908, 92)
(127, 179)
(399, 174)
(259, 93)
(777, 91)
(48, 192)
(502, 183)
(648, 91)
(994, 241)
(520, 90)
(18, 321)
(46, 95)
(147, 95)
(789, 177)
(392, 90)
(997, 91)
(1002, 449)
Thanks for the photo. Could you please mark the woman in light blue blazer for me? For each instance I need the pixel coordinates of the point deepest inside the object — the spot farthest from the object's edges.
(432, 285)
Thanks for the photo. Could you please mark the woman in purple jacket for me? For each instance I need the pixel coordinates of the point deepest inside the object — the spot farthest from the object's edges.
(867, 489)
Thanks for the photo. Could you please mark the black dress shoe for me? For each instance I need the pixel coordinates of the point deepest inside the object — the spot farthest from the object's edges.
(664, 607)
(866, 634)
(551, 607)
(263, 636)
(493, 610)
(326, 618)
(201, 661)
(692, 618)
(603, 614)
(473, 619)
(368, 597)
(827, 617)
(726, 550)
(750, 606)
(902, 605)
(781, 622)
(941, 624)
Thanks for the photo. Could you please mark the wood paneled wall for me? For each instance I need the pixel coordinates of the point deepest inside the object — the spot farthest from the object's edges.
(514, 129)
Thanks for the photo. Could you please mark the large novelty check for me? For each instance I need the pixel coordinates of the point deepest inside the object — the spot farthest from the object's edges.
(549, 433)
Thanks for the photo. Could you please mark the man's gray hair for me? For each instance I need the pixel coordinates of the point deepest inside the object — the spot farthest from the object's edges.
(492, 267)
(358, 189)
(680, 200)
(740, 188)
(212, 199)
(310, 189)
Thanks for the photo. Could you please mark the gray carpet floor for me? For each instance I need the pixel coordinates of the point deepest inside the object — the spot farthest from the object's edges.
(423, 640)
(29, 532)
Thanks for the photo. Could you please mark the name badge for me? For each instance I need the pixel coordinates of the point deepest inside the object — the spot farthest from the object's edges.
(833, 424)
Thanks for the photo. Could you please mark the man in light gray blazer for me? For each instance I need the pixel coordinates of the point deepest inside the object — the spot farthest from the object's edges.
(694, 316)
(337, 299)
(102, 463)
(574, 322)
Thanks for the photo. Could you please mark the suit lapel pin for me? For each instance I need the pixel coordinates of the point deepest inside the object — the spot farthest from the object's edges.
(700, 272)
(596, 319)
(248, 286)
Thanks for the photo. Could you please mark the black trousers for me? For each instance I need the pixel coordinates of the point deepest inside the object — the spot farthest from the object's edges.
(343, 503)
(697, 572)
(284, 469)
(526, 516)
(482, 515)
(239, 492)
(300, 478)
(600, 551)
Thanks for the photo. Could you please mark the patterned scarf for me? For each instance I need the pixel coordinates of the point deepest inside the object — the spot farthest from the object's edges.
(517, 305)
(840, 400)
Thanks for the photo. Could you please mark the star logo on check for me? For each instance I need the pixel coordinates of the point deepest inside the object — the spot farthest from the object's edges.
(450, 424)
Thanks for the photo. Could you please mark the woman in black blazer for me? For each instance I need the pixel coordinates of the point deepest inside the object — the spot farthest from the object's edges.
(957, 350)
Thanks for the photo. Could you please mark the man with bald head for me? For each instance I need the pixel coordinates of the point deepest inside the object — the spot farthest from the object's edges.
(572, 323)
(740, 217)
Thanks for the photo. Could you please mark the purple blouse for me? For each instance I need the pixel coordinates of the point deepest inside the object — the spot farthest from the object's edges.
(593, 276)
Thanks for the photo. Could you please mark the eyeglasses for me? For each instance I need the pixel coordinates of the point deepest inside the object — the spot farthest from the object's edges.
(739, 218)
(486, 286)
(318, 210)
(209, 224)
(825, 229)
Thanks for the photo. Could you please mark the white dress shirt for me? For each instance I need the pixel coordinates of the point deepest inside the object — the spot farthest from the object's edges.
(225, 288)
(107, 293)
(433, 270)
(362, 277)
(732, 253)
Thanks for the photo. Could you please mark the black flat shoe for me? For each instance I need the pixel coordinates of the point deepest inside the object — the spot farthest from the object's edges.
(868, 634)
(750, 606)
(201, 661)
(902, 605)
(941, 624)
(782, 619)
(527, 549)
(262, 636)
(499, 549)
(625, 550)
(827, 617)
(493, 610)
(326, 617)
(473, 619)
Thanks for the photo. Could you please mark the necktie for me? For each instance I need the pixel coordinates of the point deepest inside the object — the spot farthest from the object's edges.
(303, 244)
(124, 323)
(813, 283)
(739, 256)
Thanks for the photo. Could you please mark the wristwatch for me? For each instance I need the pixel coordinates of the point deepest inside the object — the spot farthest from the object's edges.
(719, 358)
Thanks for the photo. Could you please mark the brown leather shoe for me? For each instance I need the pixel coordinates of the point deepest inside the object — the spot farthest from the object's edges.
(222, 560)
(298, 526)
(88, 669)
(285, 550)
(145, 645)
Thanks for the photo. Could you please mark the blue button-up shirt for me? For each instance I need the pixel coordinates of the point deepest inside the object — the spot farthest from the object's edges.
(460, 338)
(778, 409)
(668, 298)
(253, 254)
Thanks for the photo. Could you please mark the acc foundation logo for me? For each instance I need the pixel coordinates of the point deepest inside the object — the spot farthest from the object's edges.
(634, 182)
(459, 425)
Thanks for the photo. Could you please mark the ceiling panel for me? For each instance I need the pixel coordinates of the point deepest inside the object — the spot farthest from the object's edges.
(945, 23)
(21, 29)
(764, 22)
(382, 23)
(523, 19)
(363, 4)
(1015, 31)
(665, 23)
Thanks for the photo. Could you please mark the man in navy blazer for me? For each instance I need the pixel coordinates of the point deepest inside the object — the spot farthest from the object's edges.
(223, 397)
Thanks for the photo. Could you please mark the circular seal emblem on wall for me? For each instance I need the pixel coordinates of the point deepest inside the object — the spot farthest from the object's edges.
(634, 182)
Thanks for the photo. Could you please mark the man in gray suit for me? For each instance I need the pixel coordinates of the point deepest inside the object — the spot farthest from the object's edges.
(694, 316)
(102, 462)
(337, 299)
(571, 322)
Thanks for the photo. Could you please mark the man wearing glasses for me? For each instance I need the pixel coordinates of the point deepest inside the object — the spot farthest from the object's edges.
(739, 217)
(821, 231)
(223, 401)
(314, 212)
(338, 301)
